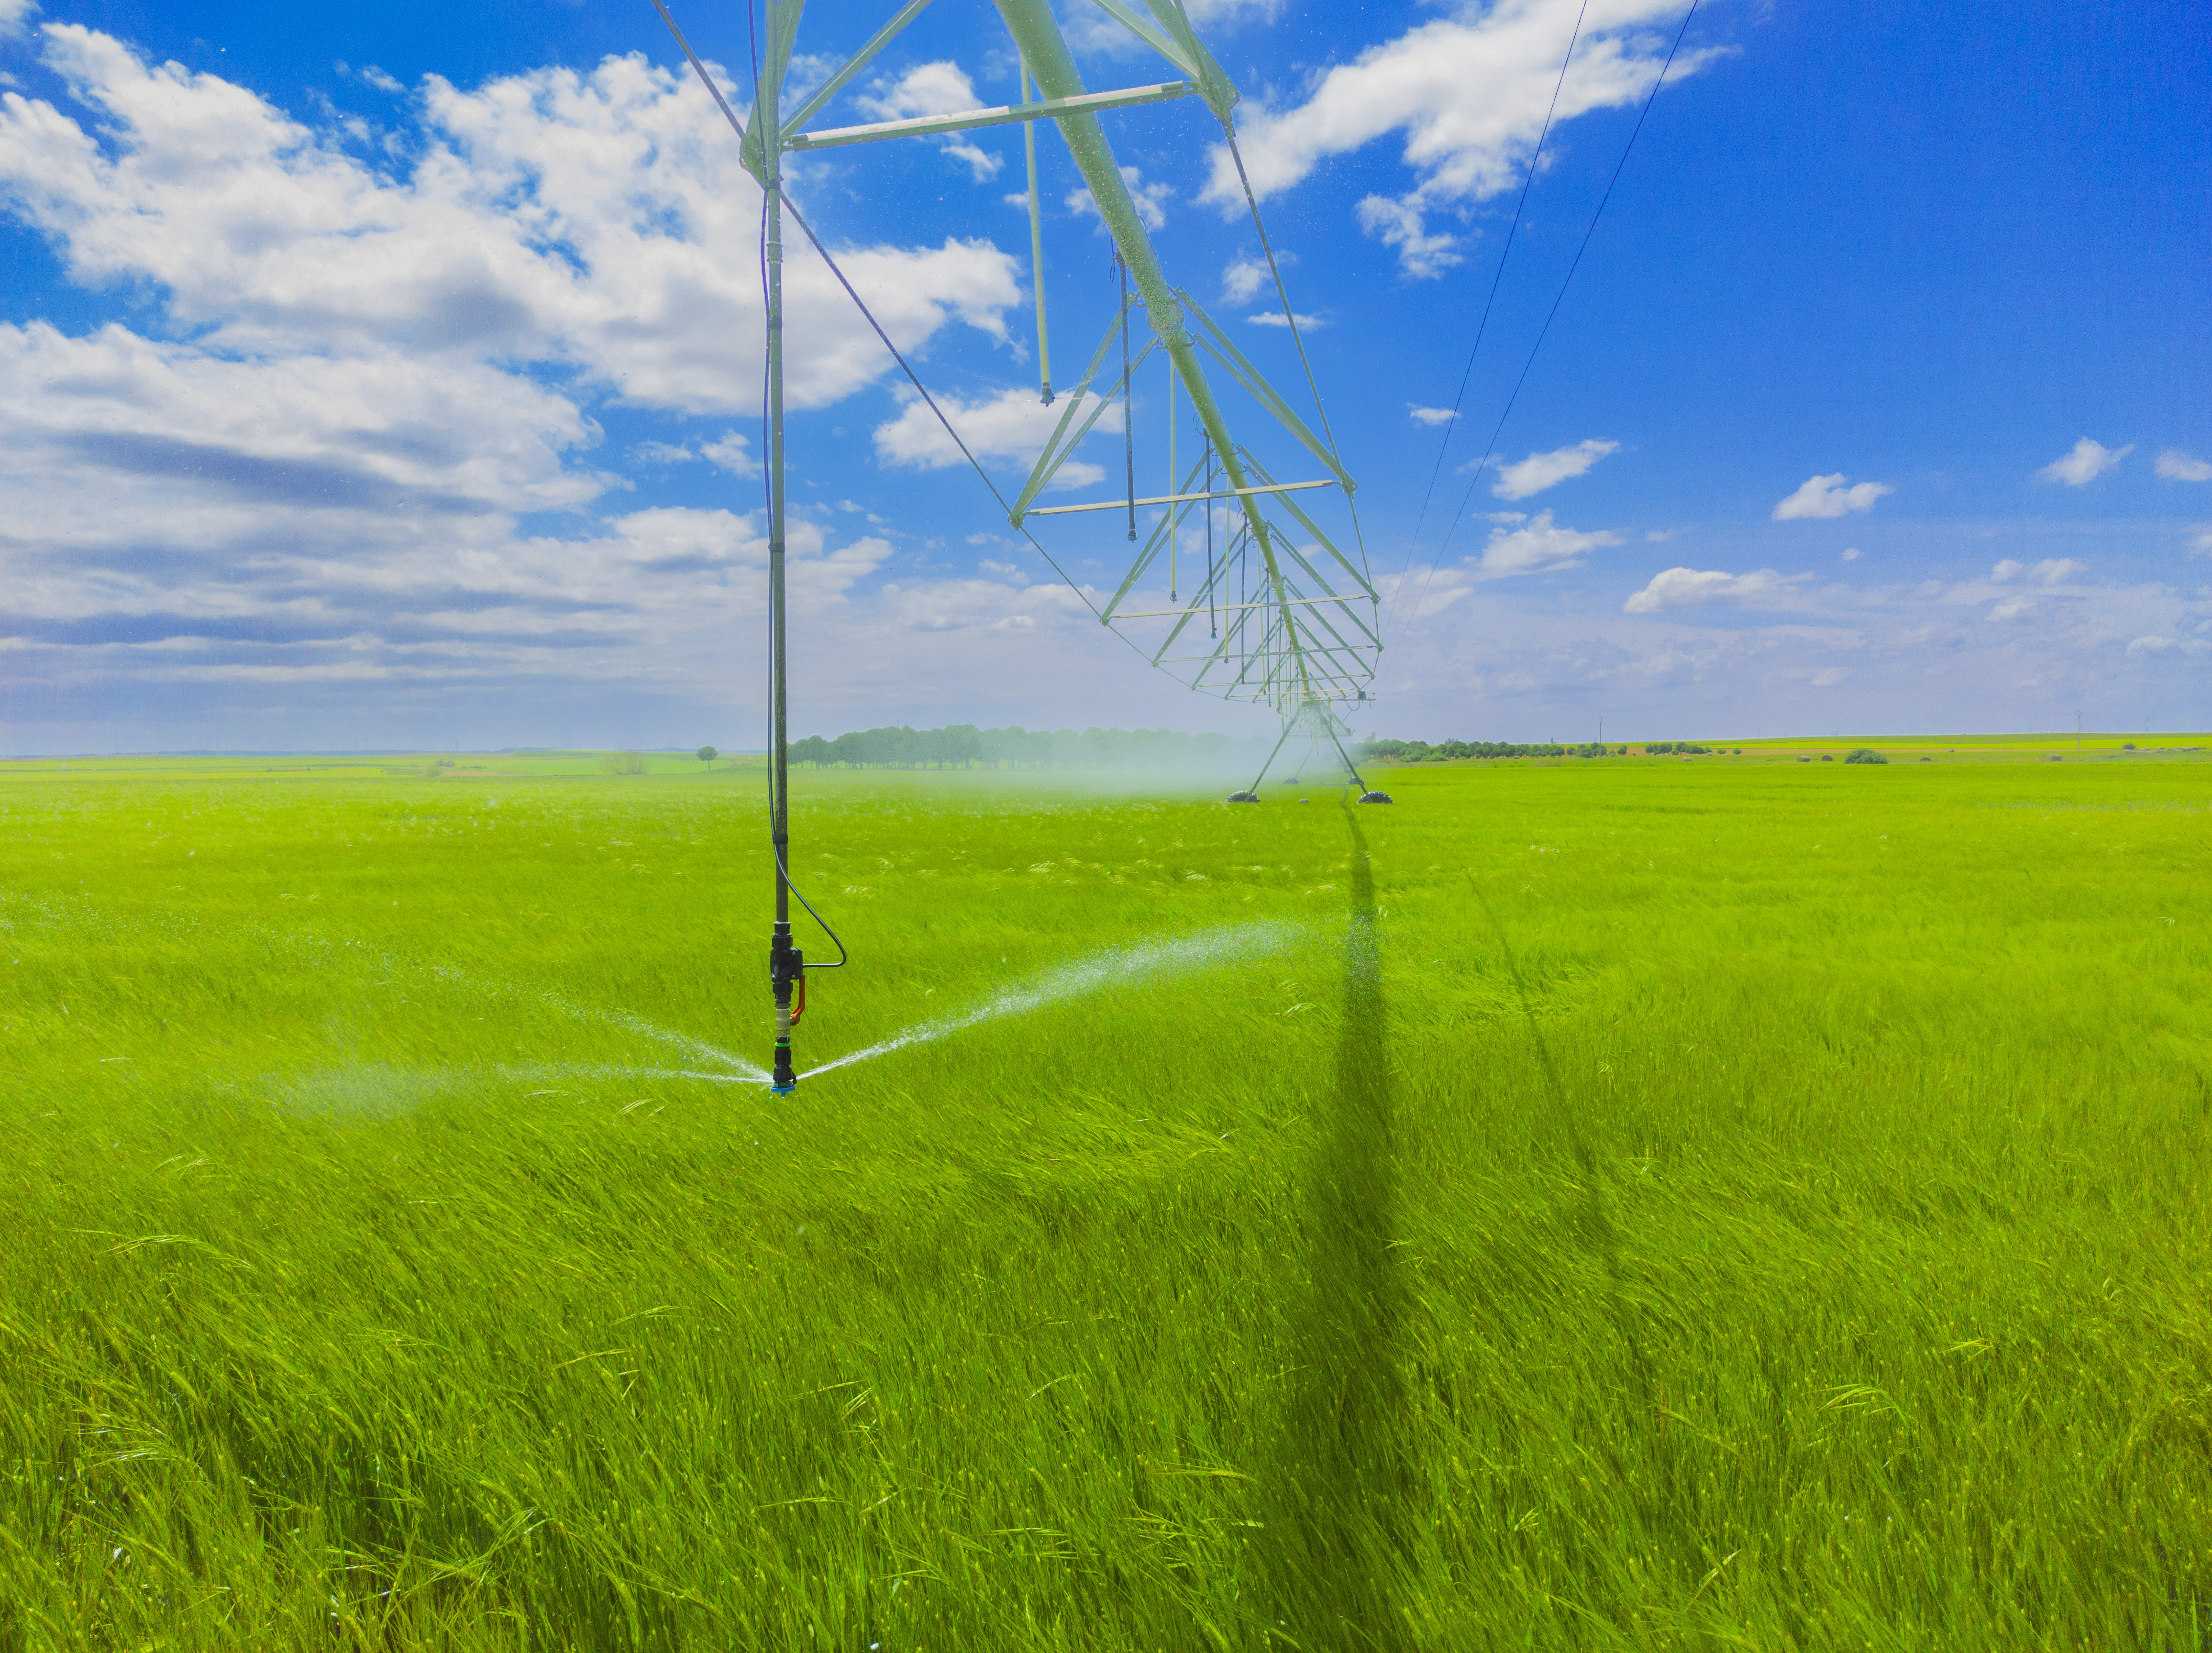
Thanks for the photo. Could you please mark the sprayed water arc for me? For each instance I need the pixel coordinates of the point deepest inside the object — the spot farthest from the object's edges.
(1092, 974)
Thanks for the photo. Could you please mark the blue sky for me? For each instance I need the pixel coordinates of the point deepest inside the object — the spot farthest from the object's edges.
(385, 376)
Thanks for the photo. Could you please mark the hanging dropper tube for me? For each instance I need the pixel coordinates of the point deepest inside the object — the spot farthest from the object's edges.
(1128, 392)
(785, 964)
(1036, 245)
(1173, 515)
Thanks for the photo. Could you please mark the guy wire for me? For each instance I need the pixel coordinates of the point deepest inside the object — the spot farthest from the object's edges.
(1497, 278)
(1549, 315)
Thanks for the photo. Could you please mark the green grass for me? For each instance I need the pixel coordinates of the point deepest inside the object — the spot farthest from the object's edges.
(1624, 1205)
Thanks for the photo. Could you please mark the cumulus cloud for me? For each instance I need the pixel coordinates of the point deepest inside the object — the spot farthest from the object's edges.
(1851, 553)
(599, 220)
(1277, 319)
(2082, 464)
(935, 89)
(15, 13)
(1535, 545)
(1151, 200)
(1828, 496)
(2050, 571)
(1685, 589)
(1009, 428)
(732, 451)
(2175, 466)
(1468, 93)
(381, 430)
(1429, 416)
(363, 448)
(1242, 278)
(1539, 472)
(1403, 225)
(2200, 539)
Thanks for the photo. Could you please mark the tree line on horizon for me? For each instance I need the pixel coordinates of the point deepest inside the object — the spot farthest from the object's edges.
(963, 745)
(1421, 751)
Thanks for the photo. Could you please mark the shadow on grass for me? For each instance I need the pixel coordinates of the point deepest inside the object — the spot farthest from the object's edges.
(1338, 1525)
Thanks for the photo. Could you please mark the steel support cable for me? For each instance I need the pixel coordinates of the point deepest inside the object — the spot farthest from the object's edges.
(923, 390)
(1553, 311)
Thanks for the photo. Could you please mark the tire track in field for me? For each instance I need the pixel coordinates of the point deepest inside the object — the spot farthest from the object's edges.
(1337, 1533)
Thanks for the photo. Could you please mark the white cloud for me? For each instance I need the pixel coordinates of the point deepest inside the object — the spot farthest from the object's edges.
(1683, 588)
(382, 81)
(1009, 428)
(1469, 92)
(371, 378)
(2012, 608)
(1829, 676)
(1242, 278)
(1277, 319)
(2200, 539)
(15, 13)
(1151, 200)
(2050, 571)
(1539, 472)
(935, 89)
(2150, 645)
(2083, 464)
(1827, 497)
(1537, 546)
(1429, 416)
(386, 430)
(2175, 466)
(599, 220)
(1851, 553)
(1403, 225)
(731, 451)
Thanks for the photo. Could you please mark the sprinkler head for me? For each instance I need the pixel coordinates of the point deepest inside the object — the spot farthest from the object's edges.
(1374, 797)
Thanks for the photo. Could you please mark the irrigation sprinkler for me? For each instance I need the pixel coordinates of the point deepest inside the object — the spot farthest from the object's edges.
(1292, 617)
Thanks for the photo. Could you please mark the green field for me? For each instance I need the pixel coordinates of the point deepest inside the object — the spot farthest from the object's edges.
(1649, 1203)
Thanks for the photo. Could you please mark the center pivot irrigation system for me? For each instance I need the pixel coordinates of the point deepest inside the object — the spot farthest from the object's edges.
(1290, 619)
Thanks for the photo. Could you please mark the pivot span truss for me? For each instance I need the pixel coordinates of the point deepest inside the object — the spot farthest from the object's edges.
(1281, 613)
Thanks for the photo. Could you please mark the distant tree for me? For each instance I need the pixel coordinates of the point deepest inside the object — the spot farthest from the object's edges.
(1864, 755)
(707, 754)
